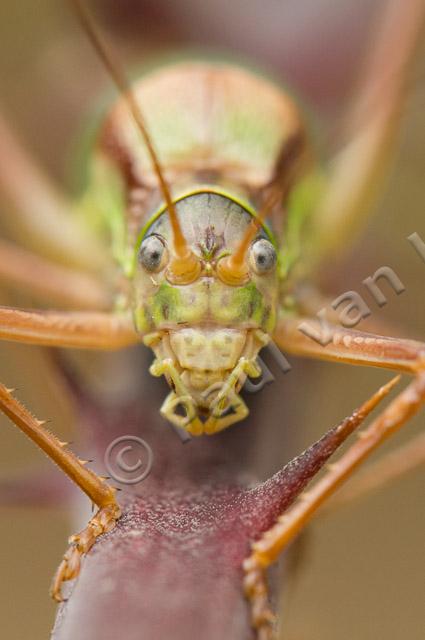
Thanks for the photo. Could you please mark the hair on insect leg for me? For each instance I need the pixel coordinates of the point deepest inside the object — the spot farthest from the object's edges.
(102, 494)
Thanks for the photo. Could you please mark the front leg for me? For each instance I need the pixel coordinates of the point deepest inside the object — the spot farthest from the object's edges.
(305, 337)
(78, 330)
(99, 492)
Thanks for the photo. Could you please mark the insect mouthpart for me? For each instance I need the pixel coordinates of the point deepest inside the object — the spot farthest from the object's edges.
(206, 368)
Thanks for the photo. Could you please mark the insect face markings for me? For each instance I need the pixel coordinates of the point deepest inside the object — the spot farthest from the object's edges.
(206, 334)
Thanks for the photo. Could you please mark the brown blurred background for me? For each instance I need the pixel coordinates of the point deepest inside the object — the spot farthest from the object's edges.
(362, 571)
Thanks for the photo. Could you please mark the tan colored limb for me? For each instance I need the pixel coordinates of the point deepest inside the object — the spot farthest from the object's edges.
(371, 128)
(348, 345)
(41, 215)
(255, 585)
(79, 330)
(80, 544)
(49, 282)
(99, 492)
(95, 487)
(275, 541)
(387, 469)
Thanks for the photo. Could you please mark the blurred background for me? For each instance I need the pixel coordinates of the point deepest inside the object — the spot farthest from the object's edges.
(361, 573)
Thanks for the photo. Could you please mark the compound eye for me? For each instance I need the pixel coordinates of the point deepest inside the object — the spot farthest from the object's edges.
(262, 256)
(153, 254)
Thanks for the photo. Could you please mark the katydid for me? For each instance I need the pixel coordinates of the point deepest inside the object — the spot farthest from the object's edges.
(215, 210)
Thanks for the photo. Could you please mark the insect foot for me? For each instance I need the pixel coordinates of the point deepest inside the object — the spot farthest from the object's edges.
(255, 587)
(80, 544)
(95, 487)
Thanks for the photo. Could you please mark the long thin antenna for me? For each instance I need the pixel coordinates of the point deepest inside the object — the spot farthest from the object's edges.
(185, 264)
(233, 269)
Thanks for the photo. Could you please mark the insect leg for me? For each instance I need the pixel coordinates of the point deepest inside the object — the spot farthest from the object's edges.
(356, 172)
(79, 330)
(50, 282)
(95, 487)
(388, 468)
(40, 213)
(266, 550)
(303, 337)
(358, 347)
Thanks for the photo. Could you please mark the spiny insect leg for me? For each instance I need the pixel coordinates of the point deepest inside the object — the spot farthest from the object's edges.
(387, 469)
(266, 550)
(80, 544)
(85, 330)
(95, 487)
(50, 282)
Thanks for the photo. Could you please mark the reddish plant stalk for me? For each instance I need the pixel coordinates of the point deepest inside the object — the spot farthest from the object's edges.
(172, 567)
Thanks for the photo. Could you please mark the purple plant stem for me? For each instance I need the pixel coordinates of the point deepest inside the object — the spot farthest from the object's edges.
(172, 566)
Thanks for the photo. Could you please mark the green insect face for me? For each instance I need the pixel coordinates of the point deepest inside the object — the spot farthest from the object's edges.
(213, 226)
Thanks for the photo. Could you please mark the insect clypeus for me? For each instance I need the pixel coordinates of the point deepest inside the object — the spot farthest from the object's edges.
(204, 182)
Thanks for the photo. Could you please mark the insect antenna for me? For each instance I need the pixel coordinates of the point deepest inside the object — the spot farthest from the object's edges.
(233, 269)
(184, 266)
